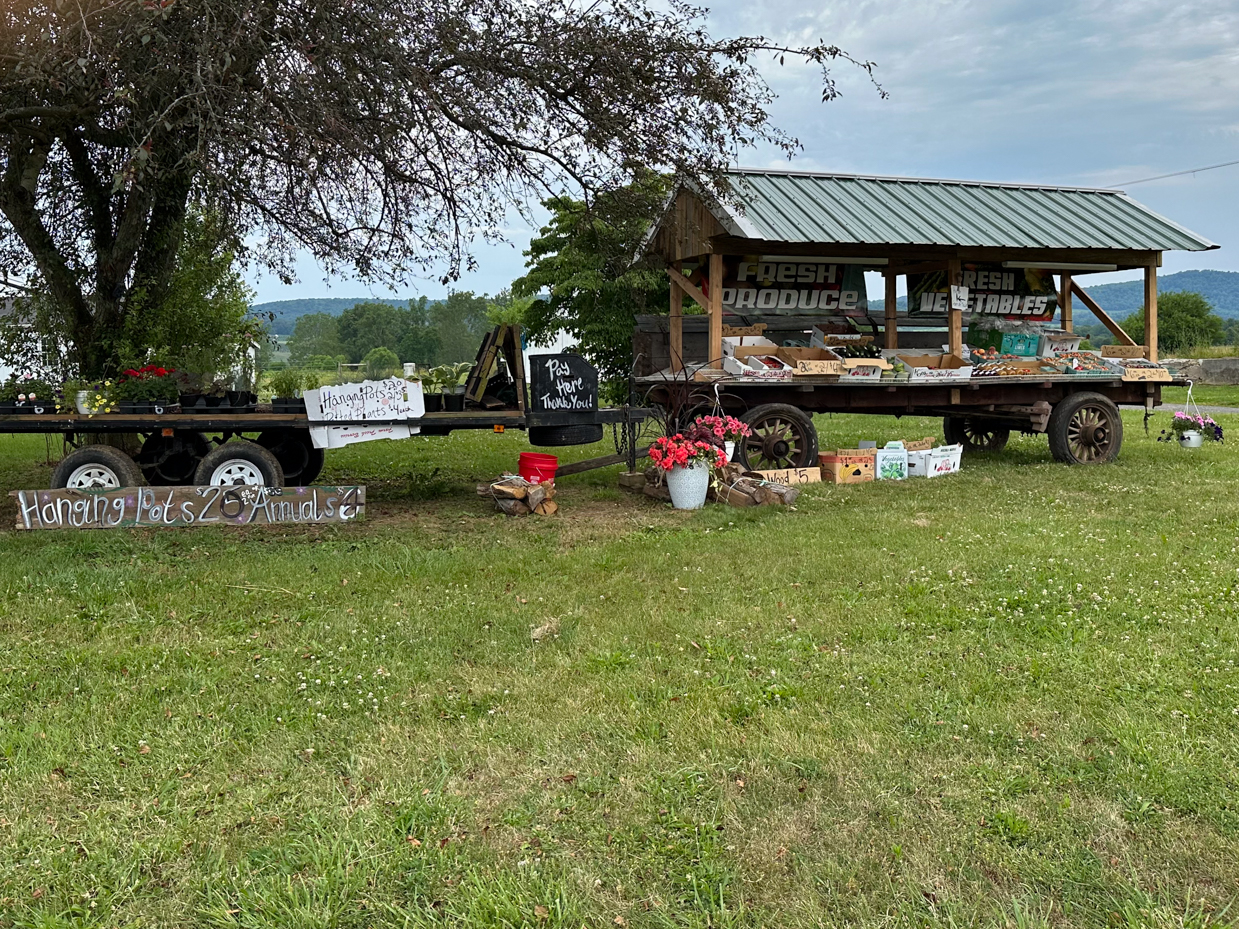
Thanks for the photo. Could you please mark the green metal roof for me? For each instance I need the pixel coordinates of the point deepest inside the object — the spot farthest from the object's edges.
(792, 206)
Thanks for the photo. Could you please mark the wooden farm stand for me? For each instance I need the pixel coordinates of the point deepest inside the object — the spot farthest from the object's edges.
(900, 226)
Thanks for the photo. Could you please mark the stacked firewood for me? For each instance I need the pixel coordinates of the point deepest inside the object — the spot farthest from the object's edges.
(516, 496)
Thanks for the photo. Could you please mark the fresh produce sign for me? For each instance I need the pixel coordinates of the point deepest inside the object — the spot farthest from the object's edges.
(1016, 293)
(756, 285)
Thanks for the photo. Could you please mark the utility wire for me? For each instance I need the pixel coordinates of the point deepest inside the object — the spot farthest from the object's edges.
(1145, 180)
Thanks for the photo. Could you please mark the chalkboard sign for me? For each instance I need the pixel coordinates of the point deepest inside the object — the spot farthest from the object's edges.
(562, 383)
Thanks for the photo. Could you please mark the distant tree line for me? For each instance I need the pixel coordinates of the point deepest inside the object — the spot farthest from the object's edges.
(422, 333)
(1185, 320)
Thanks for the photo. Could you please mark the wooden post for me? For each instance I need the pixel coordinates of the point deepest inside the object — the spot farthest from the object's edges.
(715, 346)
(892, 324)
(677, 326)
(1064, 303)
(955, 318)
(1150, 312)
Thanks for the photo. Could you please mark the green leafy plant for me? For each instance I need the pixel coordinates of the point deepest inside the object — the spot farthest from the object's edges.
(286, 383)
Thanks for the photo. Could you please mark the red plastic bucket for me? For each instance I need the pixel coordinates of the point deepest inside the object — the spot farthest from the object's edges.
(536, 468)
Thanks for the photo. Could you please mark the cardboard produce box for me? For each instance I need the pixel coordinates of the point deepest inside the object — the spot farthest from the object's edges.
(864, 370)
(740, 365)
(811, 361)
(924, 368)
(944, 460)
(890, 463)
(847, 466)
(731, 343)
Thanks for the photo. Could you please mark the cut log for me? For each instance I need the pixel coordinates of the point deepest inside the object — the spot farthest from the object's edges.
(512, 507)
(546, 508)
(632, 480)
(658, 493)
(516, 488)
(535, 495)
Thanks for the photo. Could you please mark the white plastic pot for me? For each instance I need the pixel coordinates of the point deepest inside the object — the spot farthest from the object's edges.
(1191, 439)
(688, 486)
(80, 399)
(730, 449)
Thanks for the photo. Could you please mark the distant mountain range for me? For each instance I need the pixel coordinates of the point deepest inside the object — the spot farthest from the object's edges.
(1221, 288)
(286, 312)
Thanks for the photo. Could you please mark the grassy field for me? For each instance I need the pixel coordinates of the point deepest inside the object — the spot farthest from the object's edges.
(1003, 698)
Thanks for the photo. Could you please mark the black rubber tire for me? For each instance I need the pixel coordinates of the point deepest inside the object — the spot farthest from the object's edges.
(1085, 428)
(172, 461)
(975, 434)
(259, 460)
(123, 470)
(292, 448)
(766, 451)
(553, 436)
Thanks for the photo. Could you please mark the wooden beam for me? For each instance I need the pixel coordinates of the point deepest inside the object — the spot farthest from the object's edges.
(688, 287)
(715, 309)
(677, 325)
(1150, 313)
(1101, 314)
(955, 318)
(892, 323)
(904, 254)
(1064, 302)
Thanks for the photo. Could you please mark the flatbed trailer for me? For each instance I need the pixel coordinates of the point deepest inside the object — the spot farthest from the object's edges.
(1080, 415)
(258, 446)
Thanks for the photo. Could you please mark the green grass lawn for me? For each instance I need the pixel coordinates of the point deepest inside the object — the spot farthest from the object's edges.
(1006, 698)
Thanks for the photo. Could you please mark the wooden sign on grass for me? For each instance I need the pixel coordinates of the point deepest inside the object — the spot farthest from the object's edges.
(168, 507)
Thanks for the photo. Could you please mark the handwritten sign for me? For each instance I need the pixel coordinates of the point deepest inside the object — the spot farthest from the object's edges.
(170, 507)
(959, 297)
(392, 398)
(562, 383)
(789, 477)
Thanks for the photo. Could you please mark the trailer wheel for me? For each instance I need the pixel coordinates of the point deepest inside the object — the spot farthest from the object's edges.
(170, 461)
(96, 467)
(239, 462)
(783, 437)
(1085, 428)
(551, 436)
(975, 434)
(292, 448)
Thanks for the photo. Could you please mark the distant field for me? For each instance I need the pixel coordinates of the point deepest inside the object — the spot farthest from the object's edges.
(1003, 698)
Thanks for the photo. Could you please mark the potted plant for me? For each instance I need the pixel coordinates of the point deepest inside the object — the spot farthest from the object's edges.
(687, 461)
(286, 386)
(1191, 430)
(27, 395)
(725, 429)
(149, 389)
(454, 387)
(432, 390)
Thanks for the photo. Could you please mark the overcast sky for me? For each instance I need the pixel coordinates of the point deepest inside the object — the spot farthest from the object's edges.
(1082, 93)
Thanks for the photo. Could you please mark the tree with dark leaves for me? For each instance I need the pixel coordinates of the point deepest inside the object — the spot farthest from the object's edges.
(380, 137)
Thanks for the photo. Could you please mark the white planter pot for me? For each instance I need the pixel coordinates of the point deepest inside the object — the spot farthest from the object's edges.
(1191, 439)
(688, 486)
(730, 449)
(80, 399)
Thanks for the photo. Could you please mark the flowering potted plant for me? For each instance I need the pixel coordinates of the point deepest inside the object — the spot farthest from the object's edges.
(149, 389)
(726, 429)
(687, 461)
(1191, 430)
